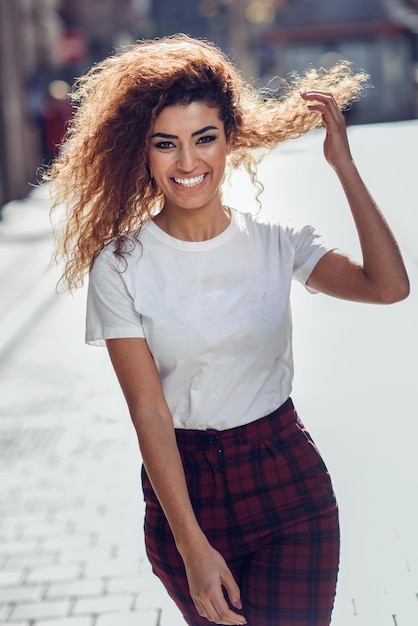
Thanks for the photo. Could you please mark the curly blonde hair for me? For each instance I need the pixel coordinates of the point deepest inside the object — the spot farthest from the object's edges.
(102, 177)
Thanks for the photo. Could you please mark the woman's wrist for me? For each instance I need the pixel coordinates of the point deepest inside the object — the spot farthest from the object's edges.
(190, 543)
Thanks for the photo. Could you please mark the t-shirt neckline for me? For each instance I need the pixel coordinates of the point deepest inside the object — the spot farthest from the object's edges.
(194, 246)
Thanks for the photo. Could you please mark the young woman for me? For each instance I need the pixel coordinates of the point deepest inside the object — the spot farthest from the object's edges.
(191, 298)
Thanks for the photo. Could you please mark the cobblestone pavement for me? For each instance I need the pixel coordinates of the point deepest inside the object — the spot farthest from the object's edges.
(71, 544)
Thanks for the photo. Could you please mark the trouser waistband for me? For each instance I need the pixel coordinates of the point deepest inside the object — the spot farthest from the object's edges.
(189, 439)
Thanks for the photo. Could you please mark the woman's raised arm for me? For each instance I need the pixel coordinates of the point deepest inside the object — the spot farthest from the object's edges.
(382, 277)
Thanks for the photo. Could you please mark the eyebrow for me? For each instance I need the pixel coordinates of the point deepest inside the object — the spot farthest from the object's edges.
(197, 132)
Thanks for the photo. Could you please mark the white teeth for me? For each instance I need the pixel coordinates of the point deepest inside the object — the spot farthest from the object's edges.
(190, 182)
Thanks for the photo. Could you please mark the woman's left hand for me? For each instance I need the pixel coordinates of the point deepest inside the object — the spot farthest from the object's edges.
(336, 148)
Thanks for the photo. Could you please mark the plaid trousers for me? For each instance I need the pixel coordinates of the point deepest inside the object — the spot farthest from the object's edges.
(263, 496)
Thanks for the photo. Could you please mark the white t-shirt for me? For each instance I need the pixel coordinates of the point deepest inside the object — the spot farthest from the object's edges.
(215, 314)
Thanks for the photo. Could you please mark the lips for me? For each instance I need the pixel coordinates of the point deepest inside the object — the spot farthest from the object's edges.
(190, 182)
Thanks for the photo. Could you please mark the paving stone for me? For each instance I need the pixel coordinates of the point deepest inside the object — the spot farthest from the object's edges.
(21, 547)
(103, 604)
(30, 561)
(66, 542)
(112, 568)
(149, 598)
(75, 589)
(9, 578)
(6, 537)
(41, 526)
(55, 572)
(4, 611)
(89, 554)
(28, 442)
(22, 521)
(13, 507)
(40, 610)
(148, 617)
(70, 621)
(132, 584)
(21, 594)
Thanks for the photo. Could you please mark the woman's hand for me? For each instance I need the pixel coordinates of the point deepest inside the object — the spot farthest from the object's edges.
(336, 148)
(208, 575)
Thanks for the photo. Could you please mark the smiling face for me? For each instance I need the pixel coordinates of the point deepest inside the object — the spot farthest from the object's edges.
(187, 156)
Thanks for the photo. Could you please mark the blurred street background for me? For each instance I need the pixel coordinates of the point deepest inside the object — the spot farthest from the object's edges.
(71, 545)
(46, 44)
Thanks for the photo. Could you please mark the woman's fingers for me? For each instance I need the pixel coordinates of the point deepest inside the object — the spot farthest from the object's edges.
(324, 104)
(232, 589)
(215, 608)
(336, 147)
(208, 576)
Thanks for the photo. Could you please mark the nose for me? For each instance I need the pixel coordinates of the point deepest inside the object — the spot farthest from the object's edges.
(187, 159)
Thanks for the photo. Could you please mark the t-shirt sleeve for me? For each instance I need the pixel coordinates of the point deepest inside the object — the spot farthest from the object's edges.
(309, 248)
(110, 306)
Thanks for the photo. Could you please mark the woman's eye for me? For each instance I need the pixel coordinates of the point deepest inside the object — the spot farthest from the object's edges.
(206, 139)
(164, 145)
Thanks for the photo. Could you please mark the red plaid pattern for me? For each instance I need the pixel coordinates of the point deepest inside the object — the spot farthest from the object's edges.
(264, 498)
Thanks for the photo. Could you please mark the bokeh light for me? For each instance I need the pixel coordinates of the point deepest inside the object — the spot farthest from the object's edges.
(260, 12)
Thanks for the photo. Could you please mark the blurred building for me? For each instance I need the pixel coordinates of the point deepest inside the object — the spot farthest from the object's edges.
(23, 47)
(269, 38)
(378, 36)
(46, 44)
